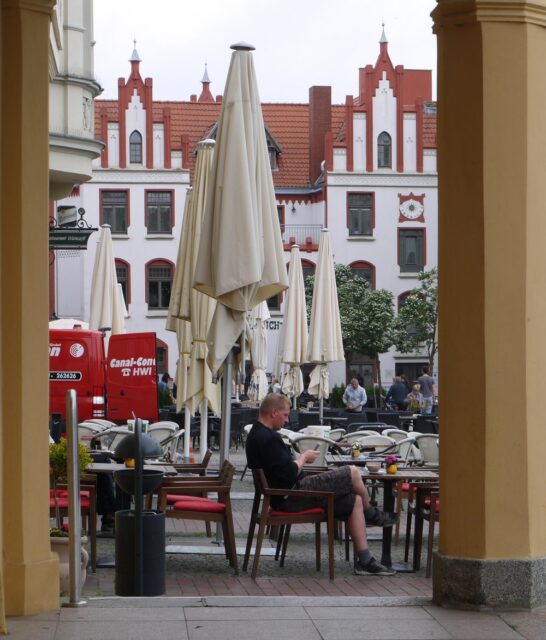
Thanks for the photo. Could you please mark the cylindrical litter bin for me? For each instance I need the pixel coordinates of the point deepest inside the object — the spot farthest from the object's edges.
(153, 553)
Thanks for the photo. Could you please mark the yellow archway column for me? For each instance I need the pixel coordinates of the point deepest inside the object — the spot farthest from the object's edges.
(492, 201)
(30, 571)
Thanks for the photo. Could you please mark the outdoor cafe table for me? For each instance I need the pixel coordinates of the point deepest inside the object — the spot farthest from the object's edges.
(406, 474)
(109, 467)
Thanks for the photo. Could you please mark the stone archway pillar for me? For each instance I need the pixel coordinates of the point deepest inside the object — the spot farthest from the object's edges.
(30, 570)
(492, 293)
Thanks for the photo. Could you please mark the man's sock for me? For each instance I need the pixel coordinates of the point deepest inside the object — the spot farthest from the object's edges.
(364, 556)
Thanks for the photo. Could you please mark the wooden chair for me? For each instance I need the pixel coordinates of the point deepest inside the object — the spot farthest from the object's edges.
(263, 515)
(424, 504)
(88, 505)
(188, 503)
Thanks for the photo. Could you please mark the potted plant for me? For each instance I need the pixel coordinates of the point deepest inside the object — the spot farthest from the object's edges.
(58, 464)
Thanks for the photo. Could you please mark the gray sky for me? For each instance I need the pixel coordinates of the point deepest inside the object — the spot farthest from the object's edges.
(299, 43)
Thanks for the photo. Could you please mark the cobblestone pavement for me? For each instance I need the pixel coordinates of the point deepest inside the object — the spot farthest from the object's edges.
(208, 574)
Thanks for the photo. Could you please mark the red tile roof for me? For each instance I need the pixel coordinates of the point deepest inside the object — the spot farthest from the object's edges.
(288, 123)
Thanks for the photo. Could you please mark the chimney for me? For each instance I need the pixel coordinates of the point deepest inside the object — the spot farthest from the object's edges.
(320, 123)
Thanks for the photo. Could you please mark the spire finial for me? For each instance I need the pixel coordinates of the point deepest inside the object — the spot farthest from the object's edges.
(134, 56)
(383, 39)
(205, 77)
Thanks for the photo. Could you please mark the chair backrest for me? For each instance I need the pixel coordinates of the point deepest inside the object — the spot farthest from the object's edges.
(404, 448)
(170, 445)
(395, 434)
(86, 432)
(110, 438)
(247, 428)
(389, 418)
(105, 424)
(378, 442)
(429, 448)
(303, 443)
(351, 438)
(336, 434)
(164, 424)
(226, 474)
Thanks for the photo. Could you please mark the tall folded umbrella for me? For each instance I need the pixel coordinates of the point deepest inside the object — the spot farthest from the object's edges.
(258, 351)
(325, 341)
(240, 261)
(201, 390)
(180, 326)
(294, 335)
(106, 309)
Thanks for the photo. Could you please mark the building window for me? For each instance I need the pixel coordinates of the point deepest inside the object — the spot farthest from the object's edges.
(272, 158)
(410, 328)
(159, 218)
(122, 275)
(308, 268)
(366, 271)
(115, 210)
(159, 276)
(135, 148)
(360, 214)
(161, 357)
(411, 250)
(384, 150)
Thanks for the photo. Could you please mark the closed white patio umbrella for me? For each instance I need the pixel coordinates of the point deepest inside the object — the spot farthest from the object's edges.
(258, 351)
(106, 310)
(240, 261)
(180, 326)
(202, 392)
(293, 349)
(325, 341)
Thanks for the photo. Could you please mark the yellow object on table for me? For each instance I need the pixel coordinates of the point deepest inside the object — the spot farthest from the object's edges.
(392, 468)
(130, 463)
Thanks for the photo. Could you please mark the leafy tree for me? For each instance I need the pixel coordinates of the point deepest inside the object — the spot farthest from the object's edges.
(366, 316)
(417, 321)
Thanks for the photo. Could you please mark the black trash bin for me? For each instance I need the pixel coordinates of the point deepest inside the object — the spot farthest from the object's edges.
(153, 553)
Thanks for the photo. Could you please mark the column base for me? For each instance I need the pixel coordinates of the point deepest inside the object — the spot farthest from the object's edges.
(31, 588)
(503, 584)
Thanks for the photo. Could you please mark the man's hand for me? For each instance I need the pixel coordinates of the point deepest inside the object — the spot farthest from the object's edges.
(307, 457)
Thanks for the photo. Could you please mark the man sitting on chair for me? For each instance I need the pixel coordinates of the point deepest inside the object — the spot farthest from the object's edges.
(266, 450)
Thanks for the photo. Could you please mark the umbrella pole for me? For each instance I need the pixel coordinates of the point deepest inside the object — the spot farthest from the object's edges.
(187, 434)
(204, 411)
(225, 435)
(321, 410)
(295, 403)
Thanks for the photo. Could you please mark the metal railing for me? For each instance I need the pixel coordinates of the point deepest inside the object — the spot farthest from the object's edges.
(301, 234)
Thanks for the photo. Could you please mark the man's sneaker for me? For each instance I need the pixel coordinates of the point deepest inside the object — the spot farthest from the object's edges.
(377, 518)
(373, 568)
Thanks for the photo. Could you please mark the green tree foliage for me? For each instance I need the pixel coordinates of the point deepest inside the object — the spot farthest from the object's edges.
(366, 316)
(416, 324)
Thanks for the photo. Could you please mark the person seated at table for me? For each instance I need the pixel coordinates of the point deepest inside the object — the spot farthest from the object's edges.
(397, 393)
(266, 450)
(414, 399)
(354, 397)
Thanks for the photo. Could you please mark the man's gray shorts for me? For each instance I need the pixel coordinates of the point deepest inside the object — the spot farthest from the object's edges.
(337, 480)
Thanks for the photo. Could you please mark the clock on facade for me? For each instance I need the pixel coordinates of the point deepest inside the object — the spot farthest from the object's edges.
(411, 208)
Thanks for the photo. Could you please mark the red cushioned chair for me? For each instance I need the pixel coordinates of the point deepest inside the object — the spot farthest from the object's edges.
(186, 501)
(263, 516)
(88, 505)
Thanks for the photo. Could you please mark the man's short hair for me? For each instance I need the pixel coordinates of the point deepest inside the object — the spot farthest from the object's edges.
(425, 369)
(273, 401)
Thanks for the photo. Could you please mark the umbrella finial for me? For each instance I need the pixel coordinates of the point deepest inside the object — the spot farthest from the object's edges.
(242, 46)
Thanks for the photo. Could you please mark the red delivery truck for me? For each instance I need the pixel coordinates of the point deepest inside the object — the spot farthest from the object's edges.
(113, 387)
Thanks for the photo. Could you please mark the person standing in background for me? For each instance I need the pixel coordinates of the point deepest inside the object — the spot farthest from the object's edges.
(427, 389)
(354, 397)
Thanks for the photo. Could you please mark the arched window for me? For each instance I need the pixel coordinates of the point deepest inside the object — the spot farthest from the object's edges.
(384, 150)
(364, 270)
(123, 275)
(135, 148)
(308, 268)
(159, 277)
